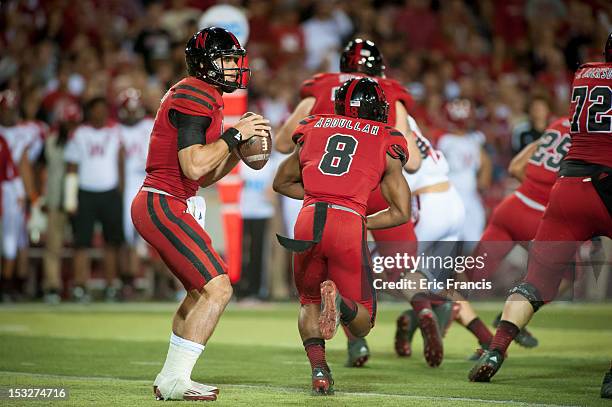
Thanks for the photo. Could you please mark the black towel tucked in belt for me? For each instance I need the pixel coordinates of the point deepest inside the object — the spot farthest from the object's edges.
(298, 246)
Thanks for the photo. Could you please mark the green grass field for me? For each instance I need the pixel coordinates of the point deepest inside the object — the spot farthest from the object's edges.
(109, 355)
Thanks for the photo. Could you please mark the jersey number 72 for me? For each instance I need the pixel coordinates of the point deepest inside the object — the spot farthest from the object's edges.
(598, 115)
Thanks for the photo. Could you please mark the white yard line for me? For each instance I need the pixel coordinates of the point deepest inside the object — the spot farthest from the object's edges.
(293, 390)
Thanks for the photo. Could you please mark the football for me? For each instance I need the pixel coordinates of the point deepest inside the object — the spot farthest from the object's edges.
(255, 152)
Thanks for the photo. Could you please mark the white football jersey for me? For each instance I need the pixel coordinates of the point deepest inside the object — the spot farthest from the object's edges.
(135, 142)
(96, 151)
(21, 136)
(434, 167)
(463, 156)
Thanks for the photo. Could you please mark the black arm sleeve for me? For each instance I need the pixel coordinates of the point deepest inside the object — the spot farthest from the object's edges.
(191, 129)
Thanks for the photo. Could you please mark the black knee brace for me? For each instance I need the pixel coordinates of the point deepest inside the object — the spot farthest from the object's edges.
(531, 293)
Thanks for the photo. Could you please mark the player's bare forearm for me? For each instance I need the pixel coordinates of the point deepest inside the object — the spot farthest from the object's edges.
(293, 190)
(221, 171)
(200, 160)
(282, 141)
(27, 175)
(397, 194)
(401, 124)
(519, 162)
(485, 173)
(288, 179)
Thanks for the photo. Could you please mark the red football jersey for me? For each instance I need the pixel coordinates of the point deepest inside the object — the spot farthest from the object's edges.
(542, 167)
(189, 96)
(343, 159)
(323, 88)
(591, 114)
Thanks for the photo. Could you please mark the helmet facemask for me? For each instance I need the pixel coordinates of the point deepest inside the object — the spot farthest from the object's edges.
(214, 55)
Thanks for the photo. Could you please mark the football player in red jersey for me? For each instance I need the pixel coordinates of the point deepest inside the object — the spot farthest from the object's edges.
(579, 208)
(536, 166)
(338, 160)
(189, 149)
(361, 58)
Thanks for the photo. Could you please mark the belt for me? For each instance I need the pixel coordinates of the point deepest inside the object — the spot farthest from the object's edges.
(156, 191)
(578, 168)
(339, 207)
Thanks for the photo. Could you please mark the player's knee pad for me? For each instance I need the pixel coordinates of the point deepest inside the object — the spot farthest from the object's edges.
(530, 292)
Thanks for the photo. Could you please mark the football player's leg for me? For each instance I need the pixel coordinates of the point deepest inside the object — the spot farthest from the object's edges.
(22, 266)
(186, 249)
(575, 214)
(109, 208)
(474, 223)
(349, 267)
(497, 240)
(83, 226)
(10, 238)
(309, 271)
(52, 257)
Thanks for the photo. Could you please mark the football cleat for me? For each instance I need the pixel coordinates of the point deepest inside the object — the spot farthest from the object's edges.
(406, 326)
(524, 338)
(433, 348)
(486, 367)
(191, 394)
(606, 386)
(205, 387)
(477, 354)
(358, 353)
(322, 382)
(183, 389)
(329, 320)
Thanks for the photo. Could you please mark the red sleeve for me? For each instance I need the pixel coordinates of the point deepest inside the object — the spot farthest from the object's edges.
(300, 130)
(190, 100)
(399, 93)
(396, 145)
(310, 87)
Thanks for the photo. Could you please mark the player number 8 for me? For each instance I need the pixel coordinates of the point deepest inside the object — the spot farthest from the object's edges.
(338, 155)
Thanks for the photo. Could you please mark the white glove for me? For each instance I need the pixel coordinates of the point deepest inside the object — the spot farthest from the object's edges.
(196, 207)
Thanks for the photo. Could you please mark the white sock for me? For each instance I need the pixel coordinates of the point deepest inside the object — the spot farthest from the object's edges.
(182, 357)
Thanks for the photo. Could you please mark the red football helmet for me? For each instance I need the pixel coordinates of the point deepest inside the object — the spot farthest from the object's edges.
(130, 106)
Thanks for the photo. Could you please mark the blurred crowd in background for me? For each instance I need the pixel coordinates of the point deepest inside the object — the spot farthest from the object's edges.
(513, 59)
